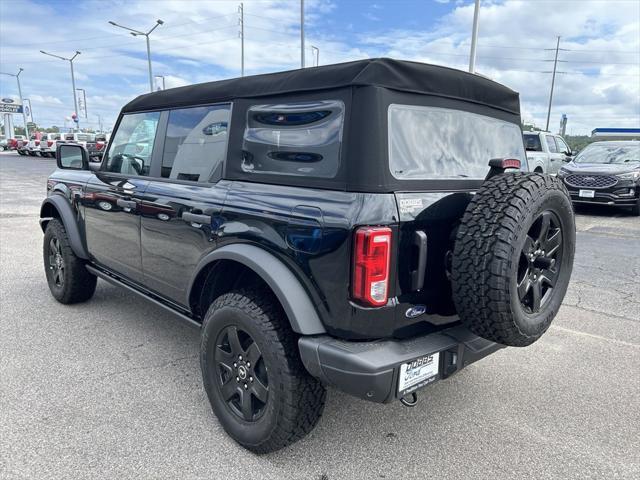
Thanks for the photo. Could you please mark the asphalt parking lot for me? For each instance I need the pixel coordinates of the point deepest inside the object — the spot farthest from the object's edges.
(112, 388)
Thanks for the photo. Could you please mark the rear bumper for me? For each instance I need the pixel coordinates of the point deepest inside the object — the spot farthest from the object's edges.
(370, 370)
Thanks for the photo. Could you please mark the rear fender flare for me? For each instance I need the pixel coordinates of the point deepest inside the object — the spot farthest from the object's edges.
(68, 218)
(294, 299)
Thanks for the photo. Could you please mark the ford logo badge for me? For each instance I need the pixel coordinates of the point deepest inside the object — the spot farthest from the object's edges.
(589, 179)
(7, 100)
(416, 311)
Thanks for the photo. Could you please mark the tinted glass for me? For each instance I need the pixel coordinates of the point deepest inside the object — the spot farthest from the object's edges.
(196, 143)
(130, 150)
(623, 154)
(562, 147)
(436, 143)
(551, 144)
(301, 139)
(71, 156)
(532, 143)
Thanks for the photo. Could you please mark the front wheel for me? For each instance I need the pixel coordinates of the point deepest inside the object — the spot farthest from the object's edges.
(67, 276)
(253, 375)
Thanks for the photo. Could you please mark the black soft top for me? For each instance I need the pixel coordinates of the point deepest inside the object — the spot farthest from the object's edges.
(398, 75)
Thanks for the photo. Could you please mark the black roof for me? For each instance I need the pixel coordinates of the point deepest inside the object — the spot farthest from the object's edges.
(397, 75)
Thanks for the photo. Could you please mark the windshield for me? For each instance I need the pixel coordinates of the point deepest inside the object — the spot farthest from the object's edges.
(431, 142)
(614, 154)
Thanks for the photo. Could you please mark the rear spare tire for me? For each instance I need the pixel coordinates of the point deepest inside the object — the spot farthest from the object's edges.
(513, 257)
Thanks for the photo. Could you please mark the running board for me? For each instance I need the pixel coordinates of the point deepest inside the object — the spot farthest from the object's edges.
(146, 295)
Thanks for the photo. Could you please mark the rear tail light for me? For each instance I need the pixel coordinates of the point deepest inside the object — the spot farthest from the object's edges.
(99, 145)
(49, 143)
(371, 254)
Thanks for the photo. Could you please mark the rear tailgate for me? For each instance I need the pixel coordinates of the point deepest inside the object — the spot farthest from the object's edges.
(425, 243)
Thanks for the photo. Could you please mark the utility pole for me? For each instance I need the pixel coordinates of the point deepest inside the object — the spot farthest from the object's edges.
(100, 123)
(136, 33)
(553, 80)
(241, 21)
(73, 81)
(301, 33)
(474, 38)
(24, 115)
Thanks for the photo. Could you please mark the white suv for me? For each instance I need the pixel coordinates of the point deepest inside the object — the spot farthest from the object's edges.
(546, 152)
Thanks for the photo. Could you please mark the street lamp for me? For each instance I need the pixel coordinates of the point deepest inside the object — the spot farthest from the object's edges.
(136, 33)
(24, 115)
(317, 54)
(73, 80)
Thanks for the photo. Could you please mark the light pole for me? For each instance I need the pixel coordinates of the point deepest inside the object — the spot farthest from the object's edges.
(301, 33)
(136, 33)
(474, 38)
(73, 81)
(316, 50)
(24, 115)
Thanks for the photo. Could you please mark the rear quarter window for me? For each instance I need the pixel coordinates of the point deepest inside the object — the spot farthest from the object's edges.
(441, 143)
(299, 139)
(532, 143)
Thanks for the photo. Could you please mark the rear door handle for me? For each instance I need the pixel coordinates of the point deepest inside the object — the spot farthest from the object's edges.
(417, 275)
(126, 203)
(200, 218)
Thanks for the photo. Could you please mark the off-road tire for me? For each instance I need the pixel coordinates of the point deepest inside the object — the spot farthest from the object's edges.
(78, 285)
(487, 255)
(296, 399)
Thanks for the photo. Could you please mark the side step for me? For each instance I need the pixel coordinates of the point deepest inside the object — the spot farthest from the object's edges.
(144, 294)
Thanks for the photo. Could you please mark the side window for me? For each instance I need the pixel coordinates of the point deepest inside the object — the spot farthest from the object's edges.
(551, 143)
(301, 139)
(562, 147)
(131, 147)
(532, 143)
(196, 143)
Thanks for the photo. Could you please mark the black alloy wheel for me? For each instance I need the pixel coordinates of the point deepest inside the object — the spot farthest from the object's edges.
(56, 262)
(242, 374)
(540, 261)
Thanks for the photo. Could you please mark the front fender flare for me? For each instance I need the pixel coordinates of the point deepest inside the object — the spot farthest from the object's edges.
(294, 299)
(68, 218)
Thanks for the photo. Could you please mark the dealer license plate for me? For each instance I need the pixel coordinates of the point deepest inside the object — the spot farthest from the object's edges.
(587, 193)
(418, 373)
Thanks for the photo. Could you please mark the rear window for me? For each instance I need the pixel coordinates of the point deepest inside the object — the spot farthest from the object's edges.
(301, 139)
(440, 143)
(532, 143)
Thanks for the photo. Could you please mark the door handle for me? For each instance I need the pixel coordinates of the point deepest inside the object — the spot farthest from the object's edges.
(417, 275)
(196, 218)
(126, 203)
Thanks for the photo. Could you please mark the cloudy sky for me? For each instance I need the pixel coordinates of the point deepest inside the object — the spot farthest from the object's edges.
(598, 84)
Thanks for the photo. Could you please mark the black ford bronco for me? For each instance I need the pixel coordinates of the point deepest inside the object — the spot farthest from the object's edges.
(369, 226)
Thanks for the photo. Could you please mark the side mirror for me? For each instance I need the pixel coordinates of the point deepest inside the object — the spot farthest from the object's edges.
(72, 156)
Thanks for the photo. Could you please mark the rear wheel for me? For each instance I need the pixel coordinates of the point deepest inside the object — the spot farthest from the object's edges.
(254, 378)
(513, 257)
(67, 276)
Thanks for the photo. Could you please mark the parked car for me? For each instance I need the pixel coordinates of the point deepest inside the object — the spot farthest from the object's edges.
(606, 173)
(3, 144)
(79, 138)
(546, 152)
(97, 146)
(334, 226)
(16, 142)
(32, 147)
(48, 144)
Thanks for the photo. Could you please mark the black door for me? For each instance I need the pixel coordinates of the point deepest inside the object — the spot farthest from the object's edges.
(184, 198)
(112, 221)
(112, 197)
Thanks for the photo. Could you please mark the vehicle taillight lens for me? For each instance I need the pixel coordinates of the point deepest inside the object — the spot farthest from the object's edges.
(49, 143)
(99, 145)
(371, 254)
